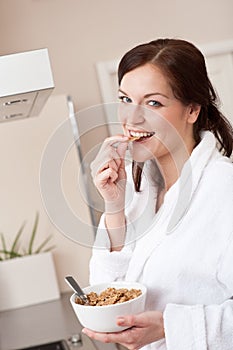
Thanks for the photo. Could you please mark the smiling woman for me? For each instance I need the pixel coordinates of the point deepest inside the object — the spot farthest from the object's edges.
(141, 118)
(162, 233)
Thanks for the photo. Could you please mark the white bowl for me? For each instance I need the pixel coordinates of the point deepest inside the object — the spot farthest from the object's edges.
(103, 318)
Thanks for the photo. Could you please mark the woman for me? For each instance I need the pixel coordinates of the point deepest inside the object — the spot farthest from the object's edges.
(174, 231)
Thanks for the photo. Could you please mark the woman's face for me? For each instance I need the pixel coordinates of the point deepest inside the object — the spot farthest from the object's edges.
(149, 109)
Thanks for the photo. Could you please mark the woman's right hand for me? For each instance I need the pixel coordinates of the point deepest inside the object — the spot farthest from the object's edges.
(108, 172)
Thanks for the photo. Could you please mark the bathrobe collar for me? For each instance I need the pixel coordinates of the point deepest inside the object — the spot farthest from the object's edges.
(179, 197)
(176, 203)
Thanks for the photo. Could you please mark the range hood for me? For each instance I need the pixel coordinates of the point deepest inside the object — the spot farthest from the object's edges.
(26, 82)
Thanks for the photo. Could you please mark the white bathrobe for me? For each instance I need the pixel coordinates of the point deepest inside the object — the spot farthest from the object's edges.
(183, 254)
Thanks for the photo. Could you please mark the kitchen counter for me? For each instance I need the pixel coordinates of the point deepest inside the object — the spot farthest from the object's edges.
(45, 323)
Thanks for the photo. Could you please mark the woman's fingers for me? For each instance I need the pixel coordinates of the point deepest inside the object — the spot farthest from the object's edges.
(106, 176)
(126, 321)
(109, 155)
(139, 320)
(142, 329)
(119, 337)
(101, 163)
(108, 172)
(113, 140)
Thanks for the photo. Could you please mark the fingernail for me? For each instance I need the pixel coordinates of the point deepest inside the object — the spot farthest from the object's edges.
(120, 320)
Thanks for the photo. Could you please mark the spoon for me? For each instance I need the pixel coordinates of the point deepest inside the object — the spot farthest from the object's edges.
(78, 290)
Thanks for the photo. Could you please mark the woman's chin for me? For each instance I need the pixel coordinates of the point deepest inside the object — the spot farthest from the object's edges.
(141, 157)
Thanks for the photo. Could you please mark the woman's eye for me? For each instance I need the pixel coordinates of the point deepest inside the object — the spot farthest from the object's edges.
(154, 103)
(125, 99)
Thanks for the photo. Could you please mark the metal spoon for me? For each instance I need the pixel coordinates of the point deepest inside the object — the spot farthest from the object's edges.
(78, 290)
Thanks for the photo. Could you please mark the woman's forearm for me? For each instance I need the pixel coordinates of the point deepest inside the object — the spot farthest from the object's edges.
(115, 224)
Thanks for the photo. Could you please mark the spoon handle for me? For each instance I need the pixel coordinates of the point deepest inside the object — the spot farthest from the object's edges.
(74, 285)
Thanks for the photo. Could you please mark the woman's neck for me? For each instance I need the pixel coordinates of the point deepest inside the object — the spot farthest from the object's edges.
(170, 167)
(172, 164)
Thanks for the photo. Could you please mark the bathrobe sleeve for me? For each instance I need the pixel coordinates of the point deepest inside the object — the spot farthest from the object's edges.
(201, 327)
(106, 266)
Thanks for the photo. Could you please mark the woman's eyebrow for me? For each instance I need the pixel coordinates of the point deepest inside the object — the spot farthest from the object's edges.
(155, 93)
(147, 95)
(122, 92)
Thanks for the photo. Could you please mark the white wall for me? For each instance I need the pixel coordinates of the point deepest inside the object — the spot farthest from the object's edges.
(79, 33)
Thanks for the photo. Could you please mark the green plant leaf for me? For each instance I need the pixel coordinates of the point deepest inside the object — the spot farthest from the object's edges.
(41, 246)
(15, 255)
(3, 244)
(49, 249)
(33, 234)
(13, 252)
(9, 254)
(13, 249)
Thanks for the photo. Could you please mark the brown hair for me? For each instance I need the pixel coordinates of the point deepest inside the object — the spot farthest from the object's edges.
(184, 66)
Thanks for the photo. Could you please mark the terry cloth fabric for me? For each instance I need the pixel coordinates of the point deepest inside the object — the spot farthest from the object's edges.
(183, 253)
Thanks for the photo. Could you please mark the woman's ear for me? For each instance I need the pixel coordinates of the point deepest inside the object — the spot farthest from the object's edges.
(193, 113)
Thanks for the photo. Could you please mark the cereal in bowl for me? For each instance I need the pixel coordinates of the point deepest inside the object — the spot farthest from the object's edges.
(110, 296)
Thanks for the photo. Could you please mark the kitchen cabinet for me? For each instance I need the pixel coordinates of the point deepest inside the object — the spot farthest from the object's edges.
(28, 83)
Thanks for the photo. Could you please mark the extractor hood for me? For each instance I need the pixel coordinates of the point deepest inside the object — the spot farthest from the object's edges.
(26, 82)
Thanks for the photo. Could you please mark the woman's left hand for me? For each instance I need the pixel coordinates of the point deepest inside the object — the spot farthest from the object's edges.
(145, 328)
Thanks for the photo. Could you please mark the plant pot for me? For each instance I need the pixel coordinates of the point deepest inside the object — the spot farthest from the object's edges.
(27, 280)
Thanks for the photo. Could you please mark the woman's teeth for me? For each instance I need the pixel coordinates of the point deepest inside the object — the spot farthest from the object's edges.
(138, 135)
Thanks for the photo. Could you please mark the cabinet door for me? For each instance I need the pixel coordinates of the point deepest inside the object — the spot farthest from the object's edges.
(220, 70)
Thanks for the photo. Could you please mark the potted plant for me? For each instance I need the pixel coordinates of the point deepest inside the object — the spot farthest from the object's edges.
(27, 275)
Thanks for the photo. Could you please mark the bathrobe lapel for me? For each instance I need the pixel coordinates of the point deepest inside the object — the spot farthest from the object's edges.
(176, 203)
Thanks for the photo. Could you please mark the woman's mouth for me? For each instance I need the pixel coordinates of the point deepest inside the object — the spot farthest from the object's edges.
(140, 136)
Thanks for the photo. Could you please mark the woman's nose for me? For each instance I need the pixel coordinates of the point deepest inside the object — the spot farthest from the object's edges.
(131, 113)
